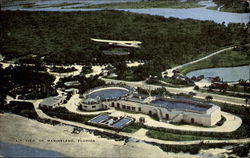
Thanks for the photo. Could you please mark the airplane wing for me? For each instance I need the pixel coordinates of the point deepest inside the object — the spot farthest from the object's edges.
(100, 40)
(113, 41)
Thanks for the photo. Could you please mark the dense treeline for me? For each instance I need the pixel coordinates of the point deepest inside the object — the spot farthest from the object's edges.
(64, 38)
(63, 70)
(30, 82)
(25, 109)
(86, 83)
(240, 6)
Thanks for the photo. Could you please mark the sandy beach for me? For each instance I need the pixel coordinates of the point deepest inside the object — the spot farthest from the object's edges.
(15, 129)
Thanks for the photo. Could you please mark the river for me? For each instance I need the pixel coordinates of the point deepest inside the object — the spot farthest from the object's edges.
(201, 13)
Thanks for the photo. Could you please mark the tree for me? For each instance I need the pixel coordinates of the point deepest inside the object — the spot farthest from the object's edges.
(246, 101)
(196, 88)
(209, 98)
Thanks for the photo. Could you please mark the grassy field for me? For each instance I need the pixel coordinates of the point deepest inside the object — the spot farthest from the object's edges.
(131, 128)
(236, 57)
(148, 4)
(169, 84)
(213, 8)
(176, 137)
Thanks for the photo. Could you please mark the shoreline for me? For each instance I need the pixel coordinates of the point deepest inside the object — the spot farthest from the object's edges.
(90, 146)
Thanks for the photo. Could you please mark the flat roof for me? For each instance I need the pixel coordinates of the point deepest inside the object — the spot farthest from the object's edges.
(52, 100)
(182, 106)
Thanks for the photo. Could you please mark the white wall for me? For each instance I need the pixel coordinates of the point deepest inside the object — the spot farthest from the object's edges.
(178, 116)
(92, 107)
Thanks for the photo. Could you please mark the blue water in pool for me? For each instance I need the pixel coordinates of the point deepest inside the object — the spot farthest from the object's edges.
(178, 106)
(108, 94)
(121, 123)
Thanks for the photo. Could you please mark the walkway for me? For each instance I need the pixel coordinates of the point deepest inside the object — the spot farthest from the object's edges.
(231, 124)
(170, 71)
(140, 134)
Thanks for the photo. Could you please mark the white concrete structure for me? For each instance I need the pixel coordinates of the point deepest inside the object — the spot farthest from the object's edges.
(52, 102)
(168, 110)
(91, 104)
(205, 118)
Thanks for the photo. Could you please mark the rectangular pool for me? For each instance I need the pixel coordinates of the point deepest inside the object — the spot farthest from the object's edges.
(121, 123)
(99, 118)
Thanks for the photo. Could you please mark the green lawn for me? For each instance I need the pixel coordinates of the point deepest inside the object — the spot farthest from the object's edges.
(176, 83)
(131, 128)
(213, 8)
(176, 137)
(169, 84)
(147, 4)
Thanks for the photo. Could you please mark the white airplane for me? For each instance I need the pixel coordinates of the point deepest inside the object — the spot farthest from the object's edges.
(134, 44)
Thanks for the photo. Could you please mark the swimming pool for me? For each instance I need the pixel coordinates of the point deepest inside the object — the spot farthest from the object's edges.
(112, 93)
(179, 106)
(99, 119)
(121, 123)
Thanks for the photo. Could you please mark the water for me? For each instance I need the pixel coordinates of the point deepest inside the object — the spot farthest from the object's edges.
(197, 14)
(108, 94)
(99, 119)
(121, 123)
(229, 74)
(192, 13)
(179, 106)
(16, 150)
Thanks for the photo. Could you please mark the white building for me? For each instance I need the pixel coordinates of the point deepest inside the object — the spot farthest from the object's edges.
(52, 102)
(208, 117)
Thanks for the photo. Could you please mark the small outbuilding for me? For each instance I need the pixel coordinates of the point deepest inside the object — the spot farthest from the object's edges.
(51, 102)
